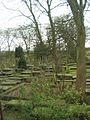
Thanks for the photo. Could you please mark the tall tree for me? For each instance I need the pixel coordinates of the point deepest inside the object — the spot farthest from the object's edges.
(47, 9)
(29, 5)
(77, 8)
(66, 33)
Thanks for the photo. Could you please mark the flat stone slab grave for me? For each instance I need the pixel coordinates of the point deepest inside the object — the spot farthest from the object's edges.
(26, 72)
(64, 76)
(4, 88)
(9, 82)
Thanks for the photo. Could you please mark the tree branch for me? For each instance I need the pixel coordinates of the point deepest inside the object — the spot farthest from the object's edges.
(26, 16)
(85, 4)
(41, 5)
(60, 4)
(50, 2)
(7, 7)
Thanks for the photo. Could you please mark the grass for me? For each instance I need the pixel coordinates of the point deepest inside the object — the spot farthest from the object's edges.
(12, 115)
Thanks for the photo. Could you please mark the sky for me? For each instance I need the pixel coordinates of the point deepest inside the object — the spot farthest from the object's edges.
(12, 18)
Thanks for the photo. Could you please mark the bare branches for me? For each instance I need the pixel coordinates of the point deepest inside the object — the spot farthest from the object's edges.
(58, 5)
(34, 19)
(85, 4)
(8, 8)
(29, 7)
(29, 17)
(51, 2)
(42, 6)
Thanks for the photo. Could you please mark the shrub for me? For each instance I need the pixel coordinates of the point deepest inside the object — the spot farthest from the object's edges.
(20, 59)
(19, 52)
(22, 63)
(56, 111)
(45, 106)
(72, 96)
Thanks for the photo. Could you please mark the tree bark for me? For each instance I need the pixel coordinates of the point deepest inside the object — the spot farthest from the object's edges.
(81, 65)
(38, 33)
(1, 112)
(78, 14)
(54, 46)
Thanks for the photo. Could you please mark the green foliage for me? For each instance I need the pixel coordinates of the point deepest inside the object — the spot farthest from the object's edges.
(65, 27)
(46, 106)
(6, 59)
(41, 50)
(67, 70)
(72, 96)
(51, 108)
(20, 59)
(22, 63)
(26, 111)
(55, 111)
(18, 52)
(78, 111)
(43, 66)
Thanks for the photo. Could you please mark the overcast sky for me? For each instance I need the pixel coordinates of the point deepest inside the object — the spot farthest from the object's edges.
(11, 18)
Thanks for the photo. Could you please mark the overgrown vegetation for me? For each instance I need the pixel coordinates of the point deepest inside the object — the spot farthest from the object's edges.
(46, 105)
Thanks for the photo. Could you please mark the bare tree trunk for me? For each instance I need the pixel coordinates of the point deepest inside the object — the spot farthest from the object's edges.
(54, 46)
(29, 6)
(77, 8)
(1, 112)
(81, 65)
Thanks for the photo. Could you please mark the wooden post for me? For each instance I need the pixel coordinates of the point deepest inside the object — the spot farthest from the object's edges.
(1, 112)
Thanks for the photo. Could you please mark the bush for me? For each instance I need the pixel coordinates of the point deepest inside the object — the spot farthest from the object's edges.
(19, 52)
(72, 96)
(43, 66)
(45, 106)
(19, 56)
(56, 111)
(22, 63)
